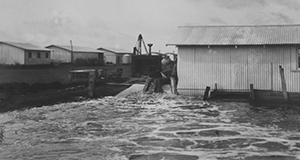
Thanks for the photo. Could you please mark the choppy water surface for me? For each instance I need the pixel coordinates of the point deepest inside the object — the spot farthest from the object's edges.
(147, 127)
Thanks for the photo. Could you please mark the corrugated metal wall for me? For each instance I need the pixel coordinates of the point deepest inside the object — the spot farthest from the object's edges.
(221, 69)
(187, 72)
(235, 68)
(291, 71)
(259, 67)
(11, 55)
(84, 55)
(110, 57)
(60, 55)
(35, 59)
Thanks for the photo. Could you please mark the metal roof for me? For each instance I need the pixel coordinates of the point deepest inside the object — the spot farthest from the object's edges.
(75, 48)
(236, 35)
(25, 46)
(115, 50)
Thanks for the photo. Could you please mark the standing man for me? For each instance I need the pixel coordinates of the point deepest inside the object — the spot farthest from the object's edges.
(174, 79)
(170, 73)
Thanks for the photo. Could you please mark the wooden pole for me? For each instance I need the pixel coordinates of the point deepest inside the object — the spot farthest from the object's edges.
(283, 83)
(252, 94)
(91, 83)
(205, 97)
(271, 76)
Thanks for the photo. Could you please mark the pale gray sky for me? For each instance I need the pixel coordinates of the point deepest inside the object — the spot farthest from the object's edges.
(117, 23)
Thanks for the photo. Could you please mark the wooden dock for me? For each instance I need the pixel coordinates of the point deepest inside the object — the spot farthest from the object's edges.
(275, 97)
(229, 96)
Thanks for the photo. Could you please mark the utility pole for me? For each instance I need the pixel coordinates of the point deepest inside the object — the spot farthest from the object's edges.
(140, 39)
(72, 54)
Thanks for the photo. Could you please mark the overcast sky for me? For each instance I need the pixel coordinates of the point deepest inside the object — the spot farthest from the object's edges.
(117, 23)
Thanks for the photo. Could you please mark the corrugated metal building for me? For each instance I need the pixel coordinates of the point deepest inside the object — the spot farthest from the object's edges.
(63, 53)
(23, 54)
(233, 57)
(113, 55)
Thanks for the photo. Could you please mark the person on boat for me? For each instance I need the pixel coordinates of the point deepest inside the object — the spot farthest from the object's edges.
(167, 76)
(174, 79)
(170, 72)
(154, 78)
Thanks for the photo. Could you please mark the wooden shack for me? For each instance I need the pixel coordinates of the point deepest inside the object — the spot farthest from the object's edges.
(16, 53)
(230, 58)
(72, 54)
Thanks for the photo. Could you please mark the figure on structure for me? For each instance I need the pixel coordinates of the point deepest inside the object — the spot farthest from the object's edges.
(165, 75)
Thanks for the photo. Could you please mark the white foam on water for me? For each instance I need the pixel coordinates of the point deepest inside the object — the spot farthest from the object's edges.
(165, 111)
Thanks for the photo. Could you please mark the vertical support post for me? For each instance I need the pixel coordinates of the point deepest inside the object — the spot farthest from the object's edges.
(134, 51)
(140, 38)
(272, 76)
(283, 83)
(205, 97)
(91, 87)
(252, 94)
(150, 45)
(72, 53)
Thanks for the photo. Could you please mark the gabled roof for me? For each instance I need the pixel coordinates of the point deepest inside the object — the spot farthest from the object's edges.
(75, 48)
(115, 50)
(25, 46)
(236, 35)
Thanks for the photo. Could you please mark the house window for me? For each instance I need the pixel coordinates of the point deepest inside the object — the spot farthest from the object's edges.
(29, 55)
(38, 55)
(47, 55)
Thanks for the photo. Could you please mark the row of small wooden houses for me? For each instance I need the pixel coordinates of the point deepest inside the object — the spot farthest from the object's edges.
(29, 54)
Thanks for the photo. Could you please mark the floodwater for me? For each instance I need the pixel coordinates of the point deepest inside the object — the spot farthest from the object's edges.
(147, 127)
